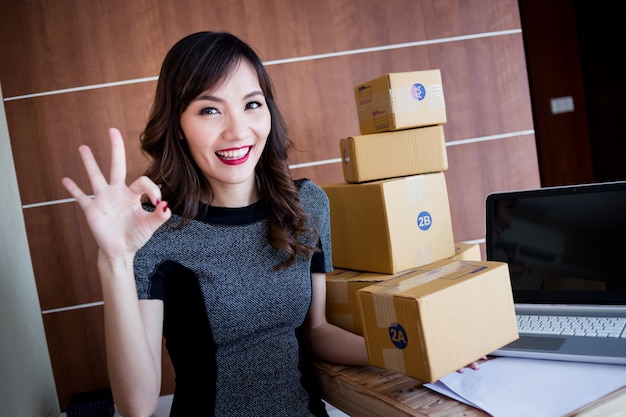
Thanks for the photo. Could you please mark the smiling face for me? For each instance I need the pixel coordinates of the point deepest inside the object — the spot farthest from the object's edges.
(226, 128)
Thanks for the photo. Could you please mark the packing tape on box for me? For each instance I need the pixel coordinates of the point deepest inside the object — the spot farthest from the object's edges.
(339, 279)
(339, 293)
(423, 254)
(394, 359)
(385, 313)
(384, 309)
(415, 189)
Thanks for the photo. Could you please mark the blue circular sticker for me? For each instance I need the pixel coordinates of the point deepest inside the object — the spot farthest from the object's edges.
(418, 92)
(424, 221)
(398, 336)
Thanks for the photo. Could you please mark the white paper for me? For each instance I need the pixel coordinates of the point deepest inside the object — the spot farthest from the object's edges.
(514, 387)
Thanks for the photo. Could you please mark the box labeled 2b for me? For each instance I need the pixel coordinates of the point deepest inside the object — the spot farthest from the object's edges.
(391, 225)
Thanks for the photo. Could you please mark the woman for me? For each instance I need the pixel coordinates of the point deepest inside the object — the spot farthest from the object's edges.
(229, 258)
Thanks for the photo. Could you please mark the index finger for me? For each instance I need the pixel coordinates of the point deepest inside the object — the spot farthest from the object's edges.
(118, 157)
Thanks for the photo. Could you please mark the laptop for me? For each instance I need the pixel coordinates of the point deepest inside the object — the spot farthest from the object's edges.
(566, 251)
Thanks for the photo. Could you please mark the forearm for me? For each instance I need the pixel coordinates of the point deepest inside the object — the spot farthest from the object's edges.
(330, 343)
(134, 371)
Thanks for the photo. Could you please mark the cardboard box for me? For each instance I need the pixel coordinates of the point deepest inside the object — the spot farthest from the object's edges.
(400, 100)
(430, 323)
(388, 226)
(467, 252)
(342, 306)
(394, 154)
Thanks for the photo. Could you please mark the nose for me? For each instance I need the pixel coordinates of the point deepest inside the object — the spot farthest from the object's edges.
(235, 126)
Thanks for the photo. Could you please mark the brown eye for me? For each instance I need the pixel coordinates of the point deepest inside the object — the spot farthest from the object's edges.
(208, 110)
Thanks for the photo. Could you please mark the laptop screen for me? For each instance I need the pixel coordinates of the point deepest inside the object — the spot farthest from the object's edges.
(562, 244)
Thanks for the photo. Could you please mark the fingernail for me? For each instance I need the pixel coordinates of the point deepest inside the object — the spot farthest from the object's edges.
(158, 201)
(164, 207)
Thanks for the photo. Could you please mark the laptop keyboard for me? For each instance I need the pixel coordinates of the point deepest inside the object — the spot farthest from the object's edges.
(572, 325)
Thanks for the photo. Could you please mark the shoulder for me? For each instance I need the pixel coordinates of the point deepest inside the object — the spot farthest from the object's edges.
(308, 189)
(314, 201)
(312, 196)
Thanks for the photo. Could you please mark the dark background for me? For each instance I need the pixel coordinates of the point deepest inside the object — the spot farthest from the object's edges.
(576, 48)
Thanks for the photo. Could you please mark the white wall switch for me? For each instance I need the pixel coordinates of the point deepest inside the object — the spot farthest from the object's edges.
(562, 104)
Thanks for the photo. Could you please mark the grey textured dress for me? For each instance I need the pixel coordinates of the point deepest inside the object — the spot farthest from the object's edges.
(231, 319)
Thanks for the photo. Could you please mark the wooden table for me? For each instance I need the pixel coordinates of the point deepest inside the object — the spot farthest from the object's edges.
(373, 392)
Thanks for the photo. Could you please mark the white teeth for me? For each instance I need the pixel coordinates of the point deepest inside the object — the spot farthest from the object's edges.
(236, 154)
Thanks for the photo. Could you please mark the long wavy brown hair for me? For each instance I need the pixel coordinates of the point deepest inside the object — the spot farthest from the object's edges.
(194, 64)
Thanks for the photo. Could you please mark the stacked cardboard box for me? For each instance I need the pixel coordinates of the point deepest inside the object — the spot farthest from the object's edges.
(399, 101)
(439, 318)
(391, 225)
(342, 285)
(424, 305)
(392, 212)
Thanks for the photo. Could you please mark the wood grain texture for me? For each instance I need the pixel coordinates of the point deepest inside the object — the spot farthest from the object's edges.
(76, 344)
(78, 43)
(483, 97)
(374, 392)
(63, 254)
(477, 169)
(46, 132)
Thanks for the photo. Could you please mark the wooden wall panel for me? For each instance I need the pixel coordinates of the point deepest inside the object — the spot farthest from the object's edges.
(77, 43)
(77, 351)
(76, 345)
(483, 92)
(477, 169)
(74, 43)
(486, 92)
(81, 44)
(46, 132)
(63, 255)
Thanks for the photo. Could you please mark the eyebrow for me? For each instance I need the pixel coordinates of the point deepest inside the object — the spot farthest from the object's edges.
(215, 98)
